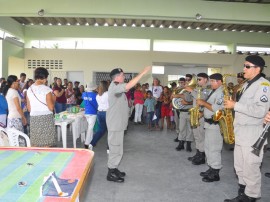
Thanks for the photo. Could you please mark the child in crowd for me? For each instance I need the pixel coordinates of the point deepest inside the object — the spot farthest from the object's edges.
(138, 103)
(150, 103)
(165, 107)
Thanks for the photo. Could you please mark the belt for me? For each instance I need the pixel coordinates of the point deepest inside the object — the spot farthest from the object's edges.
(101, 110)
(183, 110)
(210, 121)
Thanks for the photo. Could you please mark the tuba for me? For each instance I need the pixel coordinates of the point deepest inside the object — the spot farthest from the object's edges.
(225, 116)
(176, 102)
(195, 112)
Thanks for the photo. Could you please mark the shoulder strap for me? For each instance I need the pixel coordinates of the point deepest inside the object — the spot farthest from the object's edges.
(36, 97)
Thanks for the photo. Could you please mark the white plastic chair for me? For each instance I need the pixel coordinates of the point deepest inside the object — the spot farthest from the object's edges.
(14, 136)
(4, 141)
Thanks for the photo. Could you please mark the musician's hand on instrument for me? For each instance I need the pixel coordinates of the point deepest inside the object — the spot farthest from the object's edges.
(229, 104)
(267, 117)
(188, 88)
(200, 102)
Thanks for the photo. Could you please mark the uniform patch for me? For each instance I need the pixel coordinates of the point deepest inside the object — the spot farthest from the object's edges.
(264, 98)
(220, 101)
(265, 84)
(265, 89)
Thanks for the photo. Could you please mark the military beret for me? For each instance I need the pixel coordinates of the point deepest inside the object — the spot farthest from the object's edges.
(216, 76)
(115, 71)
(203, 75)
(256, 60)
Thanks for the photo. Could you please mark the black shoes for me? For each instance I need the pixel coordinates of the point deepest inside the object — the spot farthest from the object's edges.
(212, 176)
(204, 174)
(195, 156)
(267, 174)
(115, 175)
(241, 198)
(188, 146)
(200, 159)
(180, 146)
(176, 139)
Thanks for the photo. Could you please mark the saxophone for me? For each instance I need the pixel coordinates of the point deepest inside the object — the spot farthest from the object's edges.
(225, 116)
(195, 112)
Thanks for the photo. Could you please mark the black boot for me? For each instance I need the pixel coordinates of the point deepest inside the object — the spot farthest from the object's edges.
(204, 174)
(180, 146)
(241, 198)
(200, 159)
(193, 157)
(188, 148)
(267, 174)
(212, 176)
(176, 139)
(241, 189)
(113, 176)
(119, 173)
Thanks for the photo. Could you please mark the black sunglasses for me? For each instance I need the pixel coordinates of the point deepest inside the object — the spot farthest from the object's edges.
(248, 66)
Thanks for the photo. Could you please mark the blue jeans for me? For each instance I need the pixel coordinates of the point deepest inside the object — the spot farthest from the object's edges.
(59, 107)
(150, 117)
(102, 127)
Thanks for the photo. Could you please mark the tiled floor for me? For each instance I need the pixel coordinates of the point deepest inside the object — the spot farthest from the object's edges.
(157, 172)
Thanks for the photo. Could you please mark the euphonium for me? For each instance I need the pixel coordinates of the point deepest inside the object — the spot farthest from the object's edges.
(176, 102)
(225, 116)
(195, 112)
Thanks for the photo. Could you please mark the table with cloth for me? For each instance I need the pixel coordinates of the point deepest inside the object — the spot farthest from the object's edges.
(31, 165)
(78, 123)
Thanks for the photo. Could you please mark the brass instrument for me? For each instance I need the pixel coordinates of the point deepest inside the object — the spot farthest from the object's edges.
(176, 102)
(195, 112)
(257, 147)
(225, 116)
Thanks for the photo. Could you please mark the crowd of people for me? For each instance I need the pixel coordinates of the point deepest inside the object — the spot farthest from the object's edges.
(112, 104)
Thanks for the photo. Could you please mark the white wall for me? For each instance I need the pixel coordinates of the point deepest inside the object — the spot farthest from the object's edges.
(134, 61)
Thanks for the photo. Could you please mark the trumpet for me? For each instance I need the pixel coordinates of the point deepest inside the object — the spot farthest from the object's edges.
(257, 147)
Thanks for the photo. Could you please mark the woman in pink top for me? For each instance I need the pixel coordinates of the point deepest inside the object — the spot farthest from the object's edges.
(138, 103)
(70, 95)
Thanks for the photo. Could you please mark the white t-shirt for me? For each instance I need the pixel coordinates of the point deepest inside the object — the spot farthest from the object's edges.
(38, 108)
(103, 102)
(12, 110)
(156, 91)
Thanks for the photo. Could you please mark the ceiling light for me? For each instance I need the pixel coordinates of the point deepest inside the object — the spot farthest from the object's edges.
(106, 24)
(161, 26)
(198, 28)
(115, 25)
(216, 29)
(68, 23)
(87, 24)
(124, 25)
(59, 24)
(77, 23)
(207, 28)
(96, 24)
(133, 25)
(142, 25)
(152, 25)
(198, 16)
(225, 30)
(170, 26)
(41, 12)
(188, 27)
(179, 27)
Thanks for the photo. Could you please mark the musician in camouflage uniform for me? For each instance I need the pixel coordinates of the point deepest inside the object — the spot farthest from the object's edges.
(213, 140)
(250, 108)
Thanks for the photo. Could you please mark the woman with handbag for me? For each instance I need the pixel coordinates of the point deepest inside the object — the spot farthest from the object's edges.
(40, 104)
